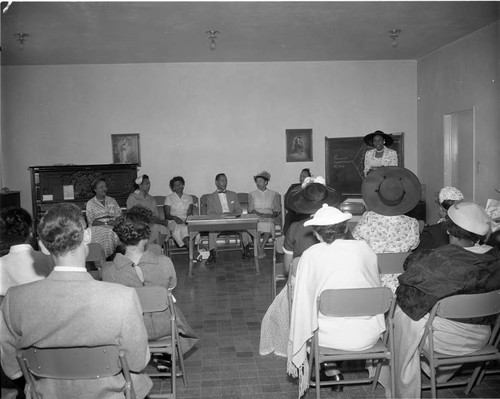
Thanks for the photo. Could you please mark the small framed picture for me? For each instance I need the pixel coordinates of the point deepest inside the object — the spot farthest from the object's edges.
(126, 148)
(299, 145)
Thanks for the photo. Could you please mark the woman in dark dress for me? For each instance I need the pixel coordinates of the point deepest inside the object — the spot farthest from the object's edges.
(290, 215)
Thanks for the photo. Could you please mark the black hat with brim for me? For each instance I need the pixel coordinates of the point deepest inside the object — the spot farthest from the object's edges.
(391, 191)
(309, 199)
(368, 139)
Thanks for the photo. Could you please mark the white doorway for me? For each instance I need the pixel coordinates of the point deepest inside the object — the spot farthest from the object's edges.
(459, 152)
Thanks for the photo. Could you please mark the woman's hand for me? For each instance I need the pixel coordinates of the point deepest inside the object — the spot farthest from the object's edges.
(178, 220)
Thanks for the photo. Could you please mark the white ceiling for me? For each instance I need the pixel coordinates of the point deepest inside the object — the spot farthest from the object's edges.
(161, 32)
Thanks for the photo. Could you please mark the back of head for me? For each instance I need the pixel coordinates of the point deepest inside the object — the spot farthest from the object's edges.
(132, 227)
(329, 223)
(449, 195)
(15, 226)
(61, 229)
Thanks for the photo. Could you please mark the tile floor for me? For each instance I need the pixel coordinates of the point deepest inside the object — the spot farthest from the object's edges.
(225, 305)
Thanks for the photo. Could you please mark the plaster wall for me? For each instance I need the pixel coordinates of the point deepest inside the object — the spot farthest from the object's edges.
(463, 75)
(198, 119)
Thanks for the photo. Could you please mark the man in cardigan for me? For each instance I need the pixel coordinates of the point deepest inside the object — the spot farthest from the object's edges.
(224, 202)
(69, 308)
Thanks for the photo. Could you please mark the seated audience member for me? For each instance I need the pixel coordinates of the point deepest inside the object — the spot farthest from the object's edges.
(69, 309)
(334, 263)
(22, 264)
(159, 229)
(139, 267)
(266, 204)
(178, 206)
(462, 267)
(101, 212)
(389, 193)
(290, 215)
(224, 202)
(275, 329)
(380, 155)
(435, 235)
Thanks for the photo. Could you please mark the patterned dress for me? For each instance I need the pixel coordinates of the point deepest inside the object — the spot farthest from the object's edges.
(389, 158)
(388, 234)
(103, 235)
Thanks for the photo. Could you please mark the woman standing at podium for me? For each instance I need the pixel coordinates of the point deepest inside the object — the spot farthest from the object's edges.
(380, 155)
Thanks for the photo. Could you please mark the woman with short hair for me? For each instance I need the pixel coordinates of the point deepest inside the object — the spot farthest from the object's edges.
(22, 264)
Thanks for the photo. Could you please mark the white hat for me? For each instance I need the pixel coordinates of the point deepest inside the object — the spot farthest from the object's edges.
(139, 180)
(328, 215)
(470, 217)
(450, 193)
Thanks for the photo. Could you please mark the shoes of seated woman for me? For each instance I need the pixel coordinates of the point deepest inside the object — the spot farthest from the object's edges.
(329, 372)
(212, 258)
(163, 362)
(247, 254)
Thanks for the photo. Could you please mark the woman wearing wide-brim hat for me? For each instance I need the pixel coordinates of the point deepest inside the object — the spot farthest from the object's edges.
(305, 199)
(389, 193)
(380, 155)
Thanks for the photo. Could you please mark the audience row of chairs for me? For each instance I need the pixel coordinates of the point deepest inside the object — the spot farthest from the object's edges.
(374, 301)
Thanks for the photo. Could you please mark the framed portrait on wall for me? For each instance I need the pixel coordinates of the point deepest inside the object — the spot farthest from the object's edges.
(126, 148)
(299, 145)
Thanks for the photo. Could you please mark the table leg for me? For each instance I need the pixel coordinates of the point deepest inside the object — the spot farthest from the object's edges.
(192, 235)
(255, 234)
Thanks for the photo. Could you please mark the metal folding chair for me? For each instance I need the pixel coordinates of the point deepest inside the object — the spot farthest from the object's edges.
(354, 302)
(279, 272)
(95, 260)
(462, 307)
(159, 299)
(77, 363)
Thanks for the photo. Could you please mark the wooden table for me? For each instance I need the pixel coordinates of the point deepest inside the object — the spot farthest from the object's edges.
(219, 223)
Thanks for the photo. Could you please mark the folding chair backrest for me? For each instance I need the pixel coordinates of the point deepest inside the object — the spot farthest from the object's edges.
(196, 206)
(96, 254)
(203, 204)
(243, 200)
(391, 263)
(160, 201)
(469, 306)
(72, 363)
(355, 302)
(153, 298)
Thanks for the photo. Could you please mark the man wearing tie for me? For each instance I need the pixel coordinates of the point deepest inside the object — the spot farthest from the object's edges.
(224, 202)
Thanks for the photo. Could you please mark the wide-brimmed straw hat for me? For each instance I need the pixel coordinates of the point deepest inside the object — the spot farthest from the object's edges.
(327, 216)
(264, 174)
(368, 139)
(470, 217)
(311, 196)
(391, 191)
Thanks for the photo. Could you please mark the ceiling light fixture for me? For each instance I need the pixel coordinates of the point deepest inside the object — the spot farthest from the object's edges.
(394, 34)
(212, 35)
(21, 38)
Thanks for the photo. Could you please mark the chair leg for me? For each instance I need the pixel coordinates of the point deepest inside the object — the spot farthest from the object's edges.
(181, 358)
(479, 368)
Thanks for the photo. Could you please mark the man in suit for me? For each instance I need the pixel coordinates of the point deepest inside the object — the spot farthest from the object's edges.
(224, 202)
(70, 308)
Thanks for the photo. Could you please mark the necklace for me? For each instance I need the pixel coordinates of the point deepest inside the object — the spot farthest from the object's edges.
(379, 151)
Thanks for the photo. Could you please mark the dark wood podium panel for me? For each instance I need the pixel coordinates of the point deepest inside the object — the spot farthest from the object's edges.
(72, 184)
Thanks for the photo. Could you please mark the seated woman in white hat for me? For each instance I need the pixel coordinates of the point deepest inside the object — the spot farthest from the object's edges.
(334, 263)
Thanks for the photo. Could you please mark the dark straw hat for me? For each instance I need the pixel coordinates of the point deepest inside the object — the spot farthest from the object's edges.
(368, 139)
(309, 199)
(391, 191)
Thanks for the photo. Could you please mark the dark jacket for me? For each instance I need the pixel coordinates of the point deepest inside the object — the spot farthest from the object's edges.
(431, 275)
(433, 236)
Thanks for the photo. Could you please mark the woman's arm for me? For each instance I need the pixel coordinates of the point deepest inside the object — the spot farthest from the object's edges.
(169, 216)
